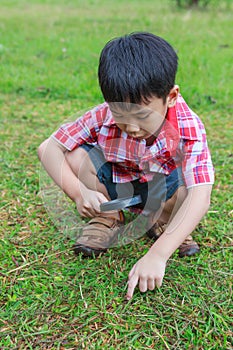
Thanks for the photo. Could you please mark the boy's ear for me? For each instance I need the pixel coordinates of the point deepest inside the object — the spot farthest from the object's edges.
(172, 96)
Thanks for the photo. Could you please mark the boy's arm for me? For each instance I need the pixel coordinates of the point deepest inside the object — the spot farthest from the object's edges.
(149, 271)
(52, 156)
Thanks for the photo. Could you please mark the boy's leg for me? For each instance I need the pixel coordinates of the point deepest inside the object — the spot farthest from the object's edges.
(158, 221)
(101, 231)
(172, 205)
(85, 171)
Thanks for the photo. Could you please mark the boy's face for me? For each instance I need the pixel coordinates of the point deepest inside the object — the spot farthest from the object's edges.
(144, 120)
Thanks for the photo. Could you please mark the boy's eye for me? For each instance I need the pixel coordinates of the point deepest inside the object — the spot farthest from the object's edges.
(143, 117)
(138, 116)
(117, 116)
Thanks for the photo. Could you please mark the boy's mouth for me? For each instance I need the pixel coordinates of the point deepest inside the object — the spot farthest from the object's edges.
(140, 137)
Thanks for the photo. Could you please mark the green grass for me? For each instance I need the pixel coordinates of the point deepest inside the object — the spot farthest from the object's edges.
(49, 298)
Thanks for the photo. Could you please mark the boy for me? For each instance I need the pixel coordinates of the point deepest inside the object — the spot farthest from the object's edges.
(143, 139)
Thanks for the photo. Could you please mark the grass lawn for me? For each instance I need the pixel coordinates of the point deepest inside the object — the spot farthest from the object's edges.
(50, 299)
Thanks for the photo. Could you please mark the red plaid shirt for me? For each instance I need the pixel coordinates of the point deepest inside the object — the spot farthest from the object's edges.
(181, 142)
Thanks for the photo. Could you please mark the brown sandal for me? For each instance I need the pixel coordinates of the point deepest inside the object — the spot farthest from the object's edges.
(156, 230)
(98, 235)
(188, 248)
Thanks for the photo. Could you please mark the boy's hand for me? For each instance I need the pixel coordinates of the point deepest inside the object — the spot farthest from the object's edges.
(148, 272)
(88, 205)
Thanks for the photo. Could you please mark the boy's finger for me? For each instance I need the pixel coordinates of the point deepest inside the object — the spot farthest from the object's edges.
(151, 284)
(143, 285)
(131, 286)
(131, 272)
(159, 282)
(102, 199)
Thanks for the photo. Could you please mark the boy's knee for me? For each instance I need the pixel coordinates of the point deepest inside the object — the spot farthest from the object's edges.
(74, 157)
(79, 161)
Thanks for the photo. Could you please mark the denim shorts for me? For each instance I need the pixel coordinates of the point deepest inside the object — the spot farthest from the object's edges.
(153, 193)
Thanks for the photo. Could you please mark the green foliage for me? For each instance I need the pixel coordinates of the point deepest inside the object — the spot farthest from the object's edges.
(188, 3)
(202, 3)
(49, 298)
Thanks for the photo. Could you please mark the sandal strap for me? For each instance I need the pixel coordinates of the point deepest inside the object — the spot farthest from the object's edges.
(100, 232)
(159, 228)
(107, 222)
(156, 230)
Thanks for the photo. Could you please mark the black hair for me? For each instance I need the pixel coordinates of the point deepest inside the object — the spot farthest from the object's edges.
(135, 67)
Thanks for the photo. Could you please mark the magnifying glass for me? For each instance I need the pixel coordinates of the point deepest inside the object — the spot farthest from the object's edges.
(120, 203)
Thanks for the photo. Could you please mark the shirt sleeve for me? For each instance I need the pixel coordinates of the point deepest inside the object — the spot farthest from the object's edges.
(197, 164)
(196, 160)
(83, 130)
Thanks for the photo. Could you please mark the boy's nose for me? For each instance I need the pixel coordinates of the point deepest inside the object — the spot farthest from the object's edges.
(131, 128)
